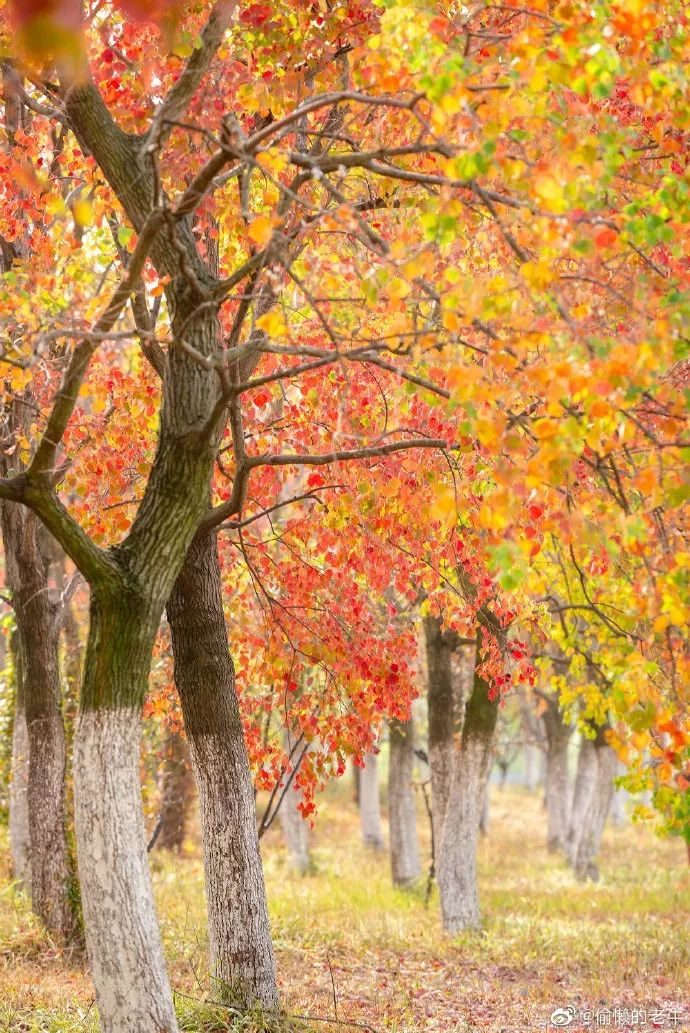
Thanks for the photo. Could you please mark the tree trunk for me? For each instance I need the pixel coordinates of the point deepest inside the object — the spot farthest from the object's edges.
(618, 813)
(532, 765)
(241, 952)
(404, 844)
(457, 858)
(125, 951)
(38, 631)
(176, 796)
(593, 792)
(557, 785)
(20, 844)
(486, 807)
(442, 721)
(370, 804)
(295, 831)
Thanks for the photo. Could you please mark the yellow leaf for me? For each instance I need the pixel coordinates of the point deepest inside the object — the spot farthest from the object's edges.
(261, 229)
(82, 210)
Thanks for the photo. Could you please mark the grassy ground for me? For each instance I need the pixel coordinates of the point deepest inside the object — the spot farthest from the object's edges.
(347, 940)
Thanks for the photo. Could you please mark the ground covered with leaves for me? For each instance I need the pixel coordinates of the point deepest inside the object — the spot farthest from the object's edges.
(351, 947)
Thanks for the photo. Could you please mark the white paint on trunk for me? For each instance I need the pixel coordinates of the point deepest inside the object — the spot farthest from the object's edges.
(532, 766)
(122, 935)
(295, 831)
(592, 816)
(402, 818)
(370, 804)
(557, 794)
(19, 802)
(457, 858)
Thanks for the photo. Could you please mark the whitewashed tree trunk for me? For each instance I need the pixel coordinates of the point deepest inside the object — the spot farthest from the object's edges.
(20, 847)
(457, 859)
(532, 766)
(295, 831)
(592, 806)
(132, 987)
(557, 784)
(402, 817)
(618, 813)
(370, 804)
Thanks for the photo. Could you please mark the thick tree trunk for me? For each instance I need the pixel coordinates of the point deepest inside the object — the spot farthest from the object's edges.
(125, 951)
(402, 817)
(20, 844)
(370, 804)
(457, 858)
(442, 721)
(177, 784)
(38, 630)
(593, 792)
(241, 951)
(557, 785)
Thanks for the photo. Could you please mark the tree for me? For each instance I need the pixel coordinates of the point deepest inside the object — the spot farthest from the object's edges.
(402, 818)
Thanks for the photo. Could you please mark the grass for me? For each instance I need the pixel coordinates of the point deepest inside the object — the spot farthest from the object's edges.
(347, 940)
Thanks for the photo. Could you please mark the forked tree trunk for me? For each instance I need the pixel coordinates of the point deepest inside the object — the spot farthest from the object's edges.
(370, 803)
(38, 631)
(402, 816)
(241, 952)
(557, 785)
(176, 795)
(457, 860)
(442, 722)
(593, 793)
(20, 845)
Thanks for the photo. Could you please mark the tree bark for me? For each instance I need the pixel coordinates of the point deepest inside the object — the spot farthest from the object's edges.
(370, 804)
(38, 631)
(457, 860)
(557, 784)
(532, 765)
(20, 843)
(176, 794)
(442, 721)
(241, 952)
(592, 799)
(404, 844)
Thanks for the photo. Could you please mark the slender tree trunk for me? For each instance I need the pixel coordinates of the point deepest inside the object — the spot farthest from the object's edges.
(457, 863)
(556, 782)
(593, 792)
(38, 629)
(20, 843)
(241, 951)
(618, 812)
(532, 764)
(295, 831)
(370, 804)
(176, 794)
(404, 844)
(442, 721)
